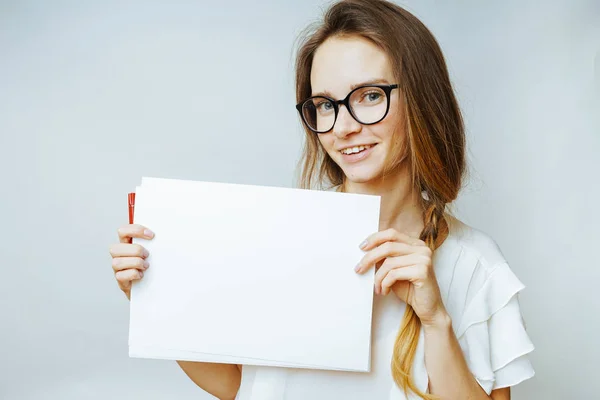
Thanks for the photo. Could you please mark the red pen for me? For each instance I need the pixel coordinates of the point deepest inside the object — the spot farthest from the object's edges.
(131, 202)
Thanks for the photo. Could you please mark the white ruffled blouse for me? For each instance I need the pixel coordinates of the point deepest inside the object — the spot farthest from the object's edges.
(480, 293)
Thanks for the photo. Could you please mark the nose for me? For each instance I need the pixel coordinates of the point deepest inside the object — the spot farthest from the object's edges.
(345, 124)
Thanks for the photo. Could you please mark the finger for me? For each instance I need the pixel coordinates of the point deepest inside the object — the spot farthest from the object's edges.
(402, 289)
(127, 232)
(396, 262)
(128, 250)
(122, 263)
(124, 278)
(389, 235)
(381, 252)
(413, 274)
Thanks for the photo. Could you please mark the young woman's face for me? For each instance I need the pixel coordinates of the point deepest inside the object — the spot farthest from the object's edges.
(339, 65)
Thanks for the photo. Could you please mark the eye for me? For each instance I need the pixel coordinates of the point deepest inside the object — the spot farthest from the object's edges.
(324, 106)
(372, 96)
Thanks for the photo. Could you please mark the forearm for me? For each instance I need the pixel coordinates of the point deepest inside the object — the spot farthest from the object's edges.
(220, 380)
(449, 375)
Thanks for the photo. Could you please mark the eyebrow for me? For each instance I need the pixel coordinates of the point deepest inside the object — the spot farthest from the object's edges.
(364, 83)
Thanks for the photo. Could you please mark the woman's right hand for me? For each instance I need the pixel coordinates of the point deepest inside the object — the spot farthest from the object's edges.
(128, 259)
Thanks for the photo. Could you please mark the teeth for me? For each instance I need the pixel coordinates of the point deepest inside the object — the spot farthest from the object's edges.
(353, 150)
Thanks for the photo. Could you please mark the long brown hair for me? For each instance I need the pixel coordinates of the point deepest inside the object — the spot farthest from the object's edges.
(435, 141)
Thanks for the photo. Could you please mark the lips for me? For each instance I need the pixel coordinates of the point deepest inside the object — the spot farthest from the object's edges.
(356, 149)
(356, 153)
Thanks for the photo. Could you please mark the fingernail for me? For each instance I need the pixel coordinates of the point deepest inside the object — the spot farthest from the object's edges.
(141, 274)
(146, 264)
(363, 245)
(357, 268)
(146, 254)
(148, 233)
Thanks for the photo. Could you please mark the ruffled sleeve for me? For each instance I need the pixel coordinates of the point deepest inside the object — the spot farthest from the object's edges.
(492, 332)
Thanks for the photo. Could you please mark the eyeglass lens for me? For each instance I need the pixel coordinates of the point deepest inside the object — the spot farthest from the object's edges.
(368, 105)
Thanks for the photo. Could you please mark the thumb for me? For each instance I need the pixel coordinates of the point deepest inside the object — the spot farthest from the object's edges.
(402, 290)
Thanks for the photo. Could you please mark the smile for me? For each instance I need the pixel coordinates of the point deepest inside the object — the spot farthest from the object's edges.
(357, 153)
(356, 149)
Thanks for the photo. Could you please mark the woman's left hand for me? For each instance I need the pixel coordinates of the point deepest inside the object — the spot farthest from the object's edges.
(406, 268)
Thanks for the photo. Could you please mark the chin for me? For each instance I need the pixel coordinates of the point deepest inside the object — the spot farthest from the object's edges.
(369, 169)
(362, 175)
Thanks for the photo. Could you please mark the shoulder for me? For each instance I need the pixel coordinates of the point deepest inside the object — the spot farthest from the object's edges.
(471, 270)
(467, 262)
(475, 245)
(480, 292)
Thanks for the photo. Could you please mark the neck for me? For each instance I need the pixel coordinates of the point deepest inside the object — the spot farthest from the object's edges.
(400, 202)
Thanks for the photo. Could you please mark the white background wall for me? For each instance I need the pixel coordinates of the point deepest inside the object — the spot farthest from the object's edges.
(96, 94)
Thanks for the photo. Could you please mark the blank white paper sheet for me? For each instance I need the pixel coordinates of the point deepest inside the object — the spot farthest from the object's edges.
(253, 275)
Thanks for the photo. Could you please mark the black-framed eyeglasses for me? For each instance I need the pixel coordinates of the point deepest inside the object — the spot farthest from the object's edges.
(368, 104)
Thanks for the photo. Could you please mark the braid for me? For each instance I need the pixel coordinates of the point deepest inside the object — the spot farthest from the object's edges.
(436, 226)
(406, 342)
(405, 348)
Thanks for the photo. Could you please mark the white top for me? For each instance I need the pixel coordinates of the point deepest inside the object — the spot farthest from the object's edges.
(480, 293)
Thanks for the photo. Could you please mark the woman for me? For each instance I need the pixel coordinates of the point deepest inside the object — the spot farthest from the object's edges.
(381, 118)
